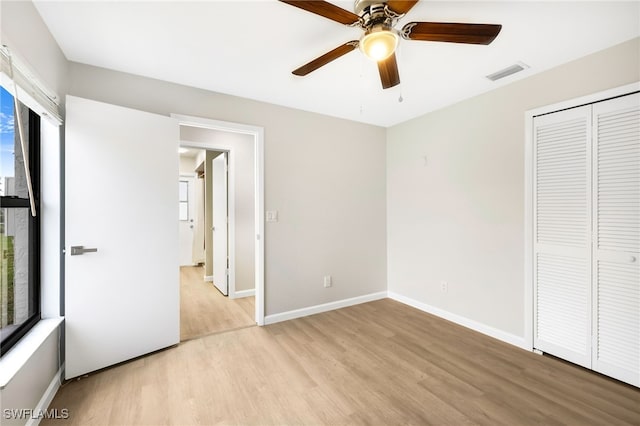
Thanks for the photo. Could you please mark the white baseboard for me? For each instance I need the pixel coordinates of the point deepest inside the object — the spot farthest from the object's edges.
(311, 310)
(243, 293)
(503, 336)
(208, 278)
(465, 322)
(46, 399)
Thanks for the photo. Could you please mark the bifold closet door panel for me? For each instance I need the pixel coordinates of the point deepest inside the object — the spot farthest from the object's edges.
(562, 234)
(616, 228)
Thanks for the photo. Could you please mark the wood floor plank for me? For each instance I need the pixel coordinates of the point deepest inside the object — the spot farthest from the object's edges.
(376, 363)
(204, 310)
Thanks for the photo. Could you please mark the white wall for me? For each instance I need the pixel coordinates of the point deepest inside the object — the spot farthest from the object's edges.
(29, 39)
(29, 384)
(460, 216)
(325, 176)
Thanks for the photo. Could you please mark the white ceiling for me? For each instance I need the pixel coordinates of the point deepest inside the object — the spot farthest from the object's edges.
(249, 48)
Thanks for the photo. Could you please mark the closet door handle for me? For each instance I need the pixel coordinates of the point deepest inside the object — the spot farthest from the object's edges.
(632, 259)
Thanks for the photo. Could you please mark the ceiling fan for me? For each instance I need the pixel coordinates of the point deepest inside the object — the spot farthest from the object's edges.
(379, 40)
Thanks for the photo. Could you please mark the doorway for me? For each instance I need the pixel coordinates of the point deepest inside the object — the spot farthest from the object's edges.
(186, 213)
(204, 309)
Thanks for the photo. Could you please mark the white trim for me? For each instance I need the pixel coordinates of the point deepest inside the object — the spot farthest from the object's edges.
(50, 219)
(47, 397)
(258, 136)
(231, 220)
(14, 360)
(584, 100)
(312, 310)
(528, 233)
(243, 293)
(528, 188)
(259, 224)
(512, 339)
(190, 178)
(208, 278)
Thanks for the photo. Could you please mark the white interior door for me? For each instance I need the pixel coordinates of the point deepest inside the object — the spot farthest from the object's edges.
(121, 301)
(220, 223)
(186, 213)
(616, 243)
(562, 234)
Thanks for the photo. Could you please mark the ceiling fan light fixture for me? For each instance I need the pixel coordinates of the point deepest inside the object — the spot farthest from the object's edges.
(379, 43)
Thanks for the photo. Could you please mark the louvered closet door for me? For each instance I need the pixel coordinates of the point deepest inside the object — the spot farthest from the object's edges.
(562, 230)
(616, 227)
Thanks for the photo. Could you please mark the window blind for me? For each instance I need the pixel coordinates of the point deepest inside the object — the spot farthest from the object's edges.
(31, 91)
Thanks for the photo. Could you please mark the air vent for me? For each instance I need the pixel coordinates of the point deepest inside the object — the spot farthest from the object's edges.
(517, 67)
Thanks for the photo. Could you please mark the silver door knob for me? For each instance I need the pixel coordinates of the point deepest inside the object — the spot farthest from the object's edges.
(632, 259)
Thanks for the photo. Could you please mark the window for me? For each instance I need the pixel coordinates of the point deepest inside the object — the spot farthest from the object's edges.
(19, 230)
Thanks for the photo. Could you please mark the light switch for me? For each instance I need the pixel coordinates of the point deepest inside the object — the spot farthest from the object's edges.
(272, 215)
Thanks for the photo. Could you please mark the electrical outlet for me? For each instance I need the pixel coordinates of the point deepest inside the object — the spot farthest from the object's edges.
(327, 281)
(444, 286)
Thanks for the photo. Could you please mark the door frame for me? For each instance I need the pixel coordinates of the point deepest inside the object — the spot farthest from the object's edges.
(229, 258)
(231, 216)
(529, 195)
(192, 177)
(257, 133)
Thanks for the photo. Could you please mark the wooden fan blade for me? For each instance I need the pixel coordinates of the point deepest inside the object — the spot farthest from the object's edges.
(325, 9)
(401, 6)
(326, 58)
(388, 69)
(451, 32)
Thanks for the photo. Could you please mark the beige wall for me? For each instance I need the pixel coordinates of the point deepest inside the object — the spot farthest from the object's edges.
(460, 216)
(325, 176)
(187, 165)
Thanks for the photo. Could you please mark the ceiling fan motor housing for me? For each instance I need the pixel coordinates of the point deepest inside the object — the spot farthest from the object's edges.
(360, 5)
(373, 13)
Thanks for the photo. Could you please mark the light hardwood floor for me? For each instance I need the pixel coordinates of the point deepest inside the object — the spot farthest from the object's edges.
(379, 363)
(204, 310)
